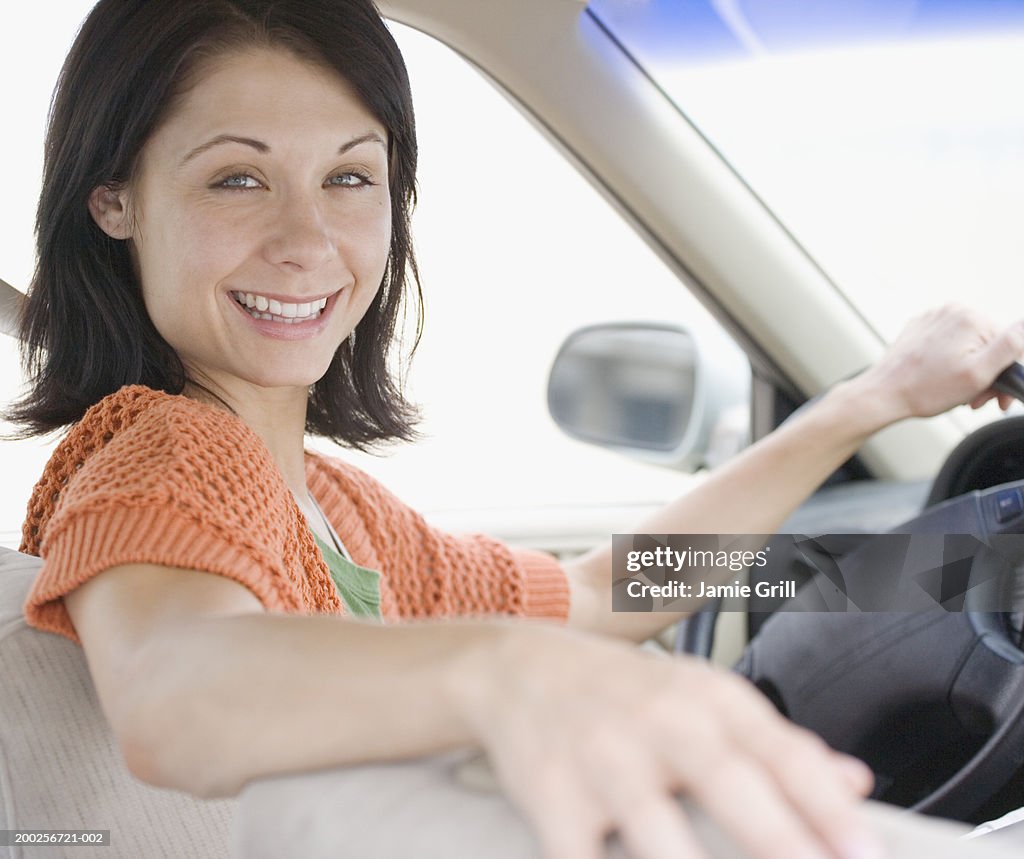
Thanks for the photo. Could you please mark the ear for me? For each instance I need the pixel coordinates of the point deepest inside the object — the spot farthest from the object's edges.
(109, 209)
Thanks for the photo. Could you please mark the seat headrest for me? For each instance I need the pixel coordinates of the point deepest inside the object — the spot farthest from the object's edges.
(11, 301)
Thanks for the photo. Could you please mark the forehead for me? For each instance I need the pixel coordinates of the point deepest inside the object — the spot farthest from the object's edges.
(268, 91)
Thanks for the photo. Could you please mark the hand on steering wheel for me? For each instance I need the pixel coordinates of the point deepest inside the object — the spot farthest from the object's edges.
(945, 358)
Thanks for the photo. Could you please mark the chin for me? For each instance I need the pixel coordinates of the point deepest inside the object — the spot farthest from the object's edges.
(304, 382)
(303, 379)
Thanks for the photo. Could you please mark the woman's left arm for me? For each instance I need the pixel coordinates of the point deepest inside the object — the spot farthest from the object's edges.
(947, 357)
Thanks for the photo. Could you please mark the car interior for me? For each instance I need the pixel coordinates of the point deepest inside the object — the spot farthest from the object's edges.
(933, 701)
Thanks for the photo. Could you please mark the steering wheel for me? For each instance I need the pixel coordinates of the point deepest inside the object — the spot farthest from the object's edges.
(959, 474)
(932, 701)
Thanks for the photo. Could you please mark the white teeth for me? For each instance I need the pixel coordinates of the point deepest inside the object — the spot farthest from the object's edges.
(261, 307)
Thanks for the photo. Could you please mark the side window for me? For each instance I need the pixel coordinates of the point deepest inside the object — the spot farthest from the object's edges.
(516, 250)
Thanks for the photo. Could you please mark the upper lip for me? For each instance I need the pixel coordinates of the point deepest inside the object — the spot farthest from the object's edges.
(287, 299)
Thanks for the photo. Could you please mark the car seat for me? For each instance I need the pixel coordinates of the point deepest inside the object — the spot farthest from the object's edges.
(60, 766)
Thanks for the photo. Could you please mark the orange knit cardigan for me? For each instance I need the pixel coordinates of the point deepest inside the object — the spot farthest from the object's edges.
(147, 477)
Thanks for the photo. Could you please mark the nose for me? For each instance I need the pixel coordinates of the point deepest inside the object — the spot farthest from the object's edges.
(300, 236)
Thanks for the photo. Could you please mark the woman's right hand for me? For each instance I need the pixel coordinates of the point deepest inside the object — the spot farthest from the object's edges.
(590, 736)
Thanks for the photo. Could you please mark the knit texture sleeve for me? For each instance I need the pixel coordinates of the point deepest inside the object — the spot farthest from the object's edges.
(430, 573)
(149, 478)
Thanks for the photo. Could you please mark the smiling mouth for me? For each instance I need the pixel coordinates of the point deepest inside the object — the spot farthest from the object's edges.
(261, 307)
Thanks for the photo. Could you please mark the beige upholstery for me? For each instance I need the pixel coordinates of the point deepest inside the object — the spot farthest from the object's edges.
(59, 765)
(447, 807)
(60, 769)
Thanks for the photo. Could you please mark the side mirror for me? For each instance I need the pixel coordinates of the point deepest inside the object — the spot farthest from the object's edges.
(653, 392)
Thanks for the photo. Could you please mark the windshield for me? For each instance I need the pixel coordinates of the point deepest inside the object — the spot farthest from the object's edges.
(886, 135)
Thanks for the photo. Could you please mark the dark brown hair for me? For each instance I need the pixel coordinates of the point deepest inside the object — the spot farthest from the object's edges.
(85, 331)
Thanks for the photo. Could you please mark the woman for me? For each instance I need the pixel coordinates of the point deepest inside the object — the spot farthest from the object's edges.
(223, 251)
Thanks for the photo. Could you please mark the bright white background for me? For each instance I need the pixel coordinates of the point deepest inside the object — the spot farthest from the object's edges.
(899, 166)
(515, 249)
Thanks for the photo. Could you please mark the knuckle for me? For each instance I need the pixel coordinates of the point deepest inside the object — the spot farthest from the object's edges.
(966, 373)
(661, 710)
(737, 695)
(560, 810)
(603, 741)
(957, 310)
(800, 751)
(962, 318)
(1015, 339)
(631, 805)
(708, 741)
(657, 829)
(612, 761)
(702, 751)
(550, 778)
(729, 777)
(797, 738)
(976, 375)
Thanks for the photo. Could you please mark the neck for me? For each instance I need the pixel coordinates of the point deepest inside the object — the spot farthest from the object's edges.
(276, 415)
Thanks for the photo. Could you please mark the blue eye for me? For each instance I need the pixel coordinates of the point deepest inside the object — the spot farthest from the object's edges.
(349, 179)
(240, 181)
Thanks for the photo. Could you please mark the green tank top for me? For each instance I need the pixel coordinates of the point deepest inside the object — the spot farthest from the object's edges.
(358, 587)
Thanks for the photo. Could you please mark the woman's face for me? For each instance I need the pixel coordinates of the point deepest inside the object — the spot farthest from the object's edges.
(260, 220)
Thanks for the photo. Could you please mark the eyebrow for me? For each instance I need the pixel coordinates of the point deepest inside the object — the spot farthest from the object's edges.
(263, 148)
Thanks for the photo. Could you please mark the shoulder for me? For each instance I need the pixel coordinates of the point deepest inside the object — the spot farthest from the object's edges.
(338, 473)
(341, 482)
(142, 446)
(358, 504)
(137, 419)
(166, 433)
(136, 409)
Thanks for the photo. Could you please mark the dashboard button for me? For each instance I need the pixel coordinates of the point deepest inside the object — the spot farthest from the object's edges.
(1009, 505)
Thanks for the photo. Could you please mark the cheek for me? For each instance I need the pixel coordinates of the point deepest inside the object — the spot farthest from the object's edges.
(366, 245)
(179, 256)
(175, 262)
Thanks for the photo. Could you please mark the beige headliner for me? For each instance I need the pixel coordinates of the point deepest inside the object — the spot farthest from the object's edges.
(554, 62)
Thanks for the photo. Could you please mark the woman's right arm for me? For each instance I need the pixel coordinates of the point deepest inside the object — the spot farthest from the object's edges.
(205, 691)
